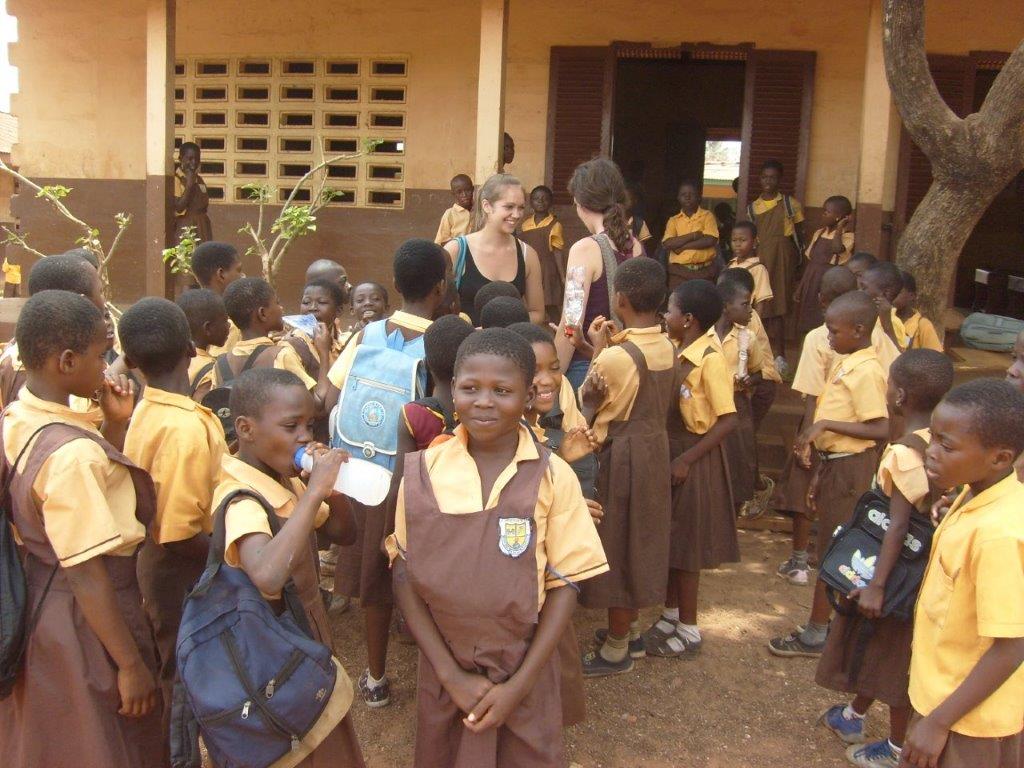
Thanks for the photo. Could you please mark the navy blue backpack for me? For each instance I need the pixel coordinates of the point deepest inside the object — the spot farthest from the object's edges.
(252, 683)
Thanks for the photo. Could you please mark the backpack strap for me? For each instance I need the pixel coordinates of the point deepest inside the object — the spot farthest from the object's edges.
(460, 260)
(200, 375)
(215, 559)
(224, 365)
(788, 202)
(750, 212)
(611, 264)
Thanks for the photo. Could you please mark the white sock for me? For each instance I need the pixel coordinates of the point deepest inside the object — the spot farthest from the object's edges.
(688, 632)
(373, 683)
(850, 713)
(895, 750)
(670, 614)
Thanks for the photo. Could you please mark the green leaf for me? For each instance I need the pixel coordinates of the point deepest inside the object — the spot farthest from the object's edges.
(55, 191)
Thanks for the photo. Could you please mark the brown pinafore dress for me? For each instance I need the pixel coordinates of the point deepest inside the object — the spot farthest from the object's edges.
(779, 256)
(196, 214)
(489, 627)
(703, 511)
(554, 285)
(634, 485)
(63, 711)
(820, 260)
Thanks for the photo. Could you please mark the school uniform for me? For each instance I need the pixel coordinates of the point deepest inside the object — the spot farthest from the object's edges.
(758, 271)
(12, 374)
(551, 427)
(332, 741)
(763, 394)
(740, 445)
(776, 230)
(854, 392)
(181, 444)
(362, 569)
(533, 533)
(200, 373)
(691, 263)
(820, 259)
(920, 333)
(546, 238)
(426, 420)
(75, 498)
(887, 349)
(234, 336)
(879, 668)
(971, 593)
(196, 214)
(278, 355)
(703, 510)
(454, 222)
(633, 481)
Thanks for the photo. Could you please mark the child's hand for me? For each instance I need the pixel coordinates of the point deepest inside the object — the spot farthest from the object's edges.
(495, 707)
(869, 600)
(842, 224)
(326, 465)
(680, 470)
(924, 744)
(322, 341)
(137, 689)
(884, 307)
(467, 689)
(576, 337)
(600, 333)
(803, 442)
(594, 389)
(577, 443)
(117, 399)
(596, 511)
(941, 507)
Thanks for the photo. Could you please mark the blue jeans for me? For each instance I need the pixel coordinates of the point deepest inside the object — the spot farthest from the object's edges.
(576, 373)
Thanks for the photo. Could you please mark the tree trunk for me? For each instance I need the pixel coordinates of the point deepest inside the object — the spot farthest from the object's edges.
(930, 246)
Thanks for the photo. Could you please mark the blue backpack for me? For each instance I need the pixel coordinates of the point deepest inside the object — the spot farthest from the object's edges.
(253, 682)
(387, 373)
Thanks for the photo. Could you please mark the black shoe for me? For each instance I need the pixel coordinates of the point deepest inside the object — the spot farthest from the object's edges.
(374, 697)
(596, 665)
(637, 650)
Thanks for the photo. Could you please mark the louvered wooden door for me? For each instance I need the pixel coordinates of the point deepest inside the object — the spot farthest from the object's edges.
(579, 111)
(954, 77)
(778, 95)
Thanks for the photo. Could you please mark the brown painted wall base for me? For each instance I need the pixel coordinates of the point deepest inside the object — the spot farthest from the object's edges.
(874, 230)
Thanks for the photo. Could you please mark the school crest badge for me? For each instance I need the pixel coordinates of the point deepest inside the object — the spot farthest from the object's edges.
(514, 535)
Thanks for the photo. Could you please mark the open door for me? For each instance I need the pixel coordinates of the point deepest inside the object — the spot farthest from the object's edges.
(579, 111)
(776, 119)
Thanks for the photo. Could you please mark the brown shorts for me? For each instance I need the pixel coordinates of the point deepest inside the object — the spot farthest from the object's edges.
(973, 752)
(680, 273)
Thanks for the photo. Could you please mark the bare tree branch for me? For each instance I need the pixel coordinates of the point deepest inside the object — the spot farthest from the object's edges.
(15, 239)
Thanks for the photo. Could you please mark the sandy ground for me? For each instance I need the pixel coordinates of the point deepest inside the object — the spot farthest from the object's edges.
(734, 706)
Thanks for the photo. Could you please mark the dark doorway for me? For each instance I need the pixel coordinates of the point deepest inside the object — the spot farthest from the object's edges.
(664, 113)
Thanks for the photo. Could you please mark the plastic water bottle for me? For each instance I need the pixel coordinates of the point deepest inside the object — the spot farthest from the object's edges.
(364, 481)
(743, 342)
(573, 298)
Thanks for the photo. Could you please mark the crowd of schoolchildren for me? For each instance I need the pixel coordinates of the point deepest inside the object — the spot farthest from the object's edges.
(195, 450)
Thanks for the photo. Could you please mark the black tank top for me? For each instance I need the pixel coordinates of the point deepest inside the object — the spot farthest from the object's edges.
(473, 281)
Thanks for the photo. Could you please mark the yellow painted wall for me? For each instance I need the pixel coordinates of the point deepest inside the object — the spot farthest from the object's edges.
(81, 106)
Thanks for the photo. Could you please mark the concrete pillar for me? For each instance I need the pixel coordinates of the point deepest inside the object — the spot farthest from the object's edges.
(160, 31)
(490, 98)
(879, 148)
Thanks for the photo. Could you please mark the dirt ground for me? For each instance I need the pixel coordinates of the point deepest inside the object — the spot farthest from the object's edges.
(734, 706)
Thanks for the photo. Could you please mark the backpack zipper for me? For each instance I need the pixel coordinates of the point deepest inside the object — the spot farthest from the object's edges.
(254, 697)
(380, 385)
(286, 672)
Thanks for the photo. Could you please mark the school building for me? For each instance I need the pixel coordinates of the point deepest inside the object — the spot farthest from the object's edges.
(705, 88)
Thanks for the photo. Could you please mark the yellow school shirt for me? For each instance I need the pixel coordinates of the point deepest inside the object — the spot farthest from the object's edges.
(287, 359)
(886, 349)
(305, 338)
(12, 273)
(339, 371)
(181, 444)
(556, 238)
(762, 206)
(729, 347)
(758, 271)
(87, 501)
(572, 417)
(854, 392)
(816, 358)
(920, 333)
(902, 468)
(764, 349)
(621, 375)
(707, 391)
(202, 359)
(837, 259)
(972, 592)
(568, 547)
(245, 516)
(454, 222)
(702, 221)
(234, 336)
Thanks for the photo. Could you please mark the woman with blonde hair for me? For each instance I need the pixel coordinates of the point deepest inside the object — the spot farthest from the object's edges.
(493, 252)
(601, 201)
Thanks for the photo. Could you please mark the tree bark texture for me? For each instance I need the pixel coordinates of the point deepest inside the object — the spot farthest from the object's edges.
(972, 158)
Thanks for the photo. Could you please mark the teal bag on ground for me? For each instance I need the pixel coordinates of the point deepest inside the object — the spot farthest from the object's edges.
(994, 333)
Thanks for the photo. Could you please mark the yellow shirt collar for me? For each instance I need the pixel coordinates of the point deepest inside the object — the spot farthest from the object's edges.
(266, 486)
(628, 333)
(163, 397)
(525, 451)
(695, 352)
(990, 495)
(86, 418)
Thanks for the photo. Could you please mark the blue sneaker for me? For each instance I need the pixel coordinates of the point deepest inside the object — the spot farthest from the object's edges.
(850, 730)
(877, 754)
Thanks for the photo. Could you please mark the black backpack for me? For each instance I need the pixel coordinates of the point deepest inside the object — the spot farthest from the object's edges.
(850, 560)
(218, 398)
(15, 623)
(198, 378)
